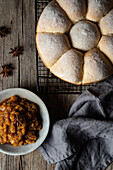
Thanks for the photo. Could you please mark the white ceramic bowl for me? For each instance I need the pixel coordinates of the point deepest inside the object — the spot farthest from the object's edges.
(11, 150)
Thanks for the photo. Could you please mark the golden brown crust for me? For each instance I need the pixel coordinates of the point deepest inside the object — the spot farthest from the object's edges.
(106, 23)
(106, 46)
(96, 81)
(39, 52)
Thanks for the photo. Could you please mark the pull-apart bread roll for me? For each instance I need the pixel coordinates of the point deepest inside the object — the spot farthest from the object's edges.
(76, 20)
(96, 67)
(51, 47)
(84, 35)
(53, 19)
(75, 9)
(98, 8)
(106, 23)
(106, 46)
(69, 67)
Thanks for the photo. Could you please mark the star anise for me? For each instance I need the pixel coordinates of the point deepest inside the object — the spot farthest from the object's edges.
(3, 31)
(5, 70)
(16, 51)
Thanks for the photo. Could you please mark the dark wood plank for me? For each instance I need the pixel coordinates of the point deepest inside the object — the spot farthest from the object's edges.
(28, 61)
(33, 160)
(10, 17)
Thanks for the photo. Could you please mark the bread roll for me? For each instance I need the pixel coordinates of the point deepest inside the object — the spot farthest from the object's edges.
(96, 67)
(106, 23)
(98, 8)
(75, 9)
(106, 46)
(84, 35)
(53, 19)
(51, 47)
(69, 67)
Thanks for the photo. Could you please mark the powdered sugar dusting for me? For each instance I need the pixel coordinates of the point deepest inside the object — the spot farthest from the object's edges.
(106, 23)
(96, 66)
(98, 8)
(84, 35)
(53, 19)
(54, 48)
(75, 9)
(106, 46)
(51, 47)
(69, 66)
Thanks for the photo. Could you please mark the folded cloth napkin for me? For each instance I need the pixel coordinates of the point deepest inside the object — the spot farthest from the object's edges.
(84, 141)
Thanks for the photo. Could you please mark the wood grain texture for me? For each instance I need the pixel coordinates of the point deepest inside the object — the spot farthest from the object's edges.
(9, 15)
(19, 17)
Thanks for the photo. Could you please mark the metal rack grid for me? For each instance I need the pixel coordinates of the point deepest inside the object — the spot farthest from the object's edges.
(46, 81)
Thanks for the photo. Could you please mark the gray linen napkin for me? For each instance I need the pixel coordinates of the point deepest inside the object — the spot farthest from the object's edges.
(84, 141)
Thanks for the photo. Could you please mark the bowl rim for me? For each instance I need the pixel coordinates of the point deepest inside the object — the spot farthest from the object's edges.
(47, 130)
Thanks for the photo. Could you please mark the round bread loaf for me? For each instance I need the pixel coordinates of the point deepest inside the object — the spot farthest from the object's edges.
(106, 46)
(75, 39)
(106, 23)
(84, 35)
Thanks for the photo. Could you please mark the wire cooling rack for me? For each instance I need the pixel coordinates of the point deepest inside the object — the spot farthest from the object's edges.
(46, 81)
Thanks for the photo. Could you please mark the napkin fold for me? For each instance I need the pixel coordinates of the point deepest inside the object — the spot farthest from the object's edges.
(84, 141)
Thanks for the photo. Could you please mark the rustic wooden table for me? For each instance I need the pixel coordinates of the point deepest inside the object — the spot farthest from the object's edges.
(19, 17)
